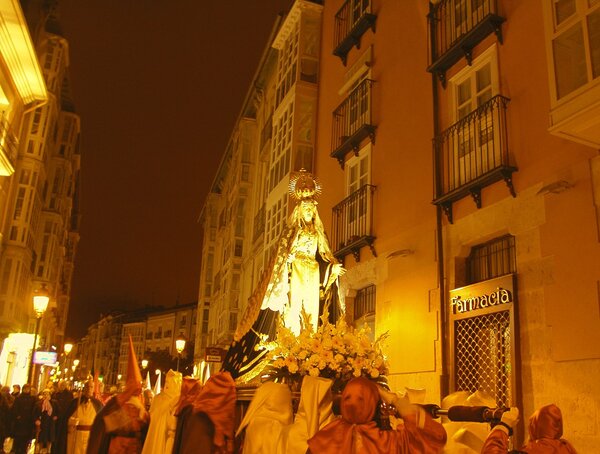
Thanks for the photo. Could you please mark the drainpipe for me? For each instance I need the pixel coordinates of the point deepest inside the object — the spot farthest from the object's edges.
(444, 377)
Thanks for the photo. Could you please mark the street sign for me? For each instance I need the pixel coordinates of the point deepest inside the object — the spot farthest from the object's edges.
(214, 355)
(47, 358)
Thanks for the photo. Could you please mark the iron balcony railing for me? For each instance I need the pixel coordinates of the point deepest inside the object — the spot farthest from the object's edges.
(473, 153)
(352, 223)
(352, 20)
(457, 26)
(352, 121)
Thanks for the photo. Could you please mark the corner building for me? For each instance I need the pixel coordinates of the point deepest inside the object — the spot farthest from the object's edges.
(247, 207)
(40, 212)
(491, 280)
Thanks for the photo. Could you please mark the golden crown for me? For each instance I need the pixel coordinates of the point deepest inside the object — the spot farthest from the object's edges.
(304, 185)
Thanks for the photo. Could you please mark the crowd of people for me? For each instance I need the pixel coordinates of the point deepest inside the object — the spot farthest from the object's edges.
(43, 418)
(26, 414)
(190, 417)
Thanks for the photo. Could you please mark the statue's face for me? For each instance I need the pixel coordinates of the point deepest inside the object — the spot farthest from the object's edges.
(308, 212)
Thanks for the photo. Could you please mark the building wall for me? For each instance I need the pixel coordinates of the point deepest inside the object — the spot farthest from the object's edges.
(404, 269)
(416, 252)
(39, 239)
(22, 88)
(247, 208)
(554, 216)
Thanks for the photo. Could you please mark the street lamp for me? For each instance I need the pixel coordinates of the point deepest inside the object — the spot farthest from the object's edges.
(41, 298)
(144, 363)
(179, 346)
(67, 348)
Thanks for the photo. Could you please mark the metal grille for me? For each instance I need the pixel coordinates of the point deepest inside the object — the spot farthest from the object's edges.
(492, 259)
(364, 304)
(484, 357)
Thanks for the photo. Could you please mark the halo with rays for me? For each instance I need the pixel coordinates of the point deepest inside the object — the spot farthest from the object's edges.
(304, 185)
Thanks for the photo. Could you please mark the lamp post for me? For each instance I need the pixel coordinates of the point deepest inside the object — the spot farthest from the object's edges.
(41, 298)
(67, 348)
(179, 346)
(144, 363)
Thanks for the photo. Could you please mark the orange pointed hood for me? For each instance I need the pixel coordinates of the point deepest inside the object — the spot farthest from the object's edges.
(133, 384)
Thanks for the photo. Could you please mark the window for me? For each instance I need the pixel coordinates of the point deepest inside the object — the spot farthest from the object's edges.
(282, 147)
(492, 259)
(364, 308)
(575, 44)
(473, 87)
(287, 65)
(232, 321)
(276, 218)
(467, 13)
(205, 315)
(358, 174)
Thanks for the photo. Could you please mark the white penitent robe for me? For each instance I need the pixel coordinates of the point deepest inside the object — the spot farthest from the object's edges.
(80, 423)
(163, 422)
(268, 414)
(314, 413)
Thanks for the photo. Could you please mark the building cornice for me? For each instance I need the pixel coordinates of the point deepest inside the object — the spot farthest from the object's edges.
(19, 53)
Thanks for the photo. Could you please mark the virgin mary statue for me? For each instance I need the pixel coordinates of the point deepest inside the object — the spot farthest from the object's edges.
(301, 280)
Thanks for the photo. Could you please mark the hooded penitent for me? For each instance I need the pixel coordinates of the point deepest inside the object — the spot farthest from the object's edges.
(206, 425)
(133, 384)
(314, 412)
(163, 422)
(269, 412)
(357, 432)
(545, 432)
(121, 424)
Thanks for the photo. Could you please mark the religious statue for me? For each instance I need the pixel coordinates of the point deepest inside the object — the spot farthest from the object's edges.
(294, 290)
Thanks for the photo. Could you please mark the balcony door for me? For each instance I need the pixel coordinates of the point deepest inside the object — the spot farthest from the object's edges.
(474, 153)
(358, 106)
(467, 13)
(358, 174)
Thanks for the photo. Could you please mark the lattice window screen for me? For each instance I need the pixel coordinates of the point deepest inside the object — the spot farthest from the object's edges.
(483, 356)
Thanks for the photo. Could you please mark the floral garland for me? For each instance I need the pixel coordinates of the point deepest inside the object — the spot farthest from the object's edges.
(336, 351)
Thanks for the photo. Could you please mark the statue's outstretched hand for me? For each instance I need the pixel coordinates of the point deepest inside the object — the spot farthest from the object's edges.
(337, 269)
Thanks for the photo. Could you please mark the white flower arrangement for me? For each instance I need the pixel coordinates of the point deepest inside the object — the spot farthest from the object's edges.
(336, 351)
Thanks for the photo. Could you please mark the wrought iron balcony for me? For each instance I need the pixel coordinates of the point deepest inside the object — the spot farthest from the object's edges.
(352, 223)
(456, 27)
(352, 122)
(472, 154)
(352, 20)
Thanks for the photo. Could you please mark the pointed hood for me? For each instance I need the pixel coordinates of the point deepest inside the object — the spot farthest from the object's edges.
(157, 388)
(133, 384)
(148, 385)
(97, 393)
